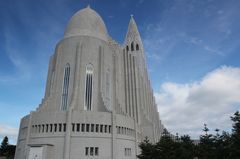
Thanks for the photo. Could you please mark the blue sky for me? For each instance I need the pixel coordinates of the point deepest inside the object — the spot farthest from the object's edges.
(192, 51)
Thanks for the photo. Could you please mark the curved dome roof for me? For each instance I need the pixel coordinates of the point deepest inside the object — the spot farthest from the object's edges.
(86, 22)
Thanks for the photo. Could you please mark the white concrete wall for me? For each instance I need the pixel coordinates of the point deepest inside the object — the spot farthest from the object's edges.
(131, 114)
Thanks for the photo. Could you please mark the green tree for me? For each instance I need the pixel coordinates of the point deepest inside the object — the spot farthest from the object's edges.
(186, 148)
(6, 149)
(148, 150)
(223, 146)
(235, 145)
(206, 145)
(218, 146)
(4, 146)
(166, 148)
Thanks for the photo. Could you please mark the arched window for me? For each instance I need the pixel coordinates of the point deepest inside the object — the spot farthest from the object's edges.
(88, 87)
(127, 48)
(132, 46)
(137, 47)
(66, 77)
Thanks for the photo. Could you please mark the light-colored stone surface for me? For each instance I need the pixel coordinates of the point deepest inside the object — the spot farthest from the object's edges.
(86, 22)
(118, 121)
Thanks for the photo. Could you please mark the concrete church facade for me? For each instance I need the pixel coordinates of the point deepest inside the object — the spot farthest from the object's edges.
(98, 100)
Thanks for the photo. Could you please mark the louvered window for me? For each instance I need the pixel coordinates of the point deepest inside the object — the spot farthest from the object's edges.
(88, 87)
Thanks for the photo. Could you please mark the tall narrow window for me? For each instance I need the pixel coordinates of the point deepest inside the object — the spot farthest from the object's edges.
(137, 47)
(96, 151)
(91, 151)
(65, 87)
(88, 87)
(132, 46)
(86, 151)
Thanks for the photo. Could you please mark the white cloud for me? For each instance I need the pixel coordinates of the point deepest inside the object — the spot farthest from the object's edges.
(184, 108)
(9, 131)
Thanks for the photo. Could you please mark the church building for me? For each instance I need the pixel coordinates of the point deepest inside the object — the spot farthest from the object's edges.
(98, 102)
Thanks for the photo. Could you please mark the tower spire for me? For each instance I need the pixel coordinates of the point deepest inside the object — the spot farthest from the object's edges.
(132, 33)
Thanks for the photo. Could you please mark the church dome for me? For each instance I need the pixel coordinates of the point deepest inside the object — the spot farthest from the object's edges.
(86, 22)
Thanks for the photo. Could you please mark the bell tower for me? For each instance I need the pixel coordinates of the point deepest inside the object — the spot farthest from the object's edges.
(134, 46)
(133, 39)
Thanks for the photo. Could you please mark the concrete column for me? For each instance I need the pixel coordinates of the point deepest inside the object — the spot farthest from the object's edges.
(145, 96)
(113, 112)
(102, 69)
(136, 137)
(48, 84)
(74, 98)
(99, 73)
(125, 80)
(136, 89)
(127, 84)
(67, 140)
(132, 86)
(28, 134)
